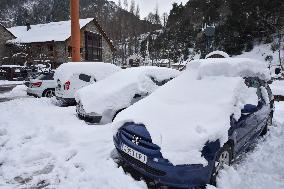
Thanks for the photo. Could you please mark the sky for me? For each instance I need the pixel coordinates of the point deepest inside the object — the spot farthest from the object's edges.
(147, 6)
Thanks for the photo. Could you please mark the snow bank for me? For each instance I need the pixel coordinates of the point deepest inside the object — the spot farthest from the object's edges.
(230, 67)
(222, 53)
(192, 109)
(117, 91)
(277, 87)
(18, 91)
(99, 69)
(45, 146)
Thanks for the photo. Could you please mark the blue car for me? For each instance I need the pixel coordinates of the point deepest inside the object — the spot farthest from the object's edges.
(137, 151)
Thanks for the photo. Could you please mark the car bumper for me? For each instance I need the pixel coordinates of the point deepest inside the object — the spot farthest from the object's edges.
(166, 174)
(96, 120)
(35, 92)
(67, 101)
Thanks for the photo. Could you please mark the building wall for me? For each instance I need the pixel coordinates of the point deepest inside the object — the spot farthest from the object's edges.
(107, 53)
(4, 36)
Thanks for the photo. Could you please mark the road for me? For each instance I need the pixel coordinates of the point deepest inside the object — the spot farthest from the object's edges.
(5, 89)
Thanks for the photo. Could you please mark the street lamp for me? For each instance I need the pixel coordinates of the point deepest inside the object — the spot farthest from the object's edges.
(75, 31)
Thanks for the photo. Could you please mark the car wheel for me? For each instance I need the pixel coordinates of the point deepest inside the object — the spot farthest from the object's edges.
(48, 93)
(223, 158)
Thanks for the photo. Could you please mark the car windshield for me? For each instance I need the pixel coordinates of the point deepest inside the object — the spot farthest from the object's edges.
(47, 76)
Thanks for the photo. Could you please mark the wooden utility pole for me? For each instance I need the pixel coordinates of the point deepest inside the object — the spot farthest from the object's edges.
(75, 31)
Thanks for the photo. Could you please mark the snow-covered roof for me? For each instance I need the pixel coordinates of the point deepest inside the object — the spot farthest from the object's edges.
(99, 69)
(190, 110)
(117, 91)
(53, 31)
(221, 53)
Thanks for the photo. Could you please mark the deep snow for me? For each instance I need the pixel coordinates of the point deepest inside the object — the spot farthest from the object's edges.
(41, 143)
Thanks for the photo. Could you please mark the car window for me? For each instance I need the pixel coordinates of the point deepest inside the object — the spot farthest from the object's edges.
(48, 76)
(85, 77)
(257, 85)
(160, 83)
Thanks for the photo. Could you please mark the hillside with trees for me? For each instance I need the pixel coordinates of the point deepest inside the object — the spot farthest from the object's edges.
(238, 26)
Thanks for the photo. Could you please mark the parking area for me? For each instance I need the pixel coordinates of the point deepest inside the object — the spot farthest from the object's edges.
(42, 145)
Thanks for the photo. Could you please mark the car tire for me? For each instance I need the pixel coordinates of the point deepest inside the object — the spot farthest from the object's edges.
(224, 157)
(48, 93)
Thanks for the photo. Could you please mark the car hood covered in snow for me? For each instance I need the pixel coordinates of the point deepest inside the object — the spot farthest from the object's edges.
(195, 107)
(117, 91)
(99, 69)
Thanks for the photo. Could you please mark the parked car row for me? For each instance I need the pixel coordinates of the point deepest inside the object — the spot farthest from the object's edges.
(176, 129)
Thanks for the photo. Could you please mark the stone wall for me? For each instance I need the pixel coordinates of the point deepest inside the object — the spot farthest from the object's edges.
(4, 36)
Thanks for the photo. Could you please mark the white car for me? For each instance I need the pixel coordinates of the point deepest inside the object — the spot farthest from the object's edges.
(72, 76)
(43, 86)
(99, 103)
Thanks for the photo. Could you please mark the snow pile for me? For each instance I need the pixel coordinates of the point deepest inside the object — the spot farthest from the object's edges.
(230, 67)
(117, 91)
(277, 87)
(54, 31)
(188, 111)
(45, 146)
(98, 69)
(221, 53)
(18, 91)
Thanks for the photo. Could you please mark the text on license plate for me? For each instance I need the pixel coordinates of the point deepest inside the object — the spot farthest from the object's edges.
(133, 153)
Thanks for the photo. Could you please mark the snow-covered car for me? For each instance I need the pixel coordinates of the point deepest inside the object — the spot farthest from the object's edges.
(100, 102)
(186, 131)
(43, 86)
(73, 76)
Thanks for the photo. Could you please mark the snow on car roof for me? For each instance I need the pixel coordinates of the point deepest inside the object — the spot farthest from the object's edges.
(117, 91)
(54, 31)
(184, 114)
(222, 53)
(99, 69)
(231, 67)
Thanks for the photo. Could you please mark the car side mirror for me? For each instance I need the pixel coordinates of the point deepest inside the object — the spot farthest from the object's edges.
(249, 109)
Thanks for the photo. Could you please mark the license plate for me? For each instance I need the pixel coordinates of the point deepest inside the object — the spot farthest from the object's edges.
(133, 153)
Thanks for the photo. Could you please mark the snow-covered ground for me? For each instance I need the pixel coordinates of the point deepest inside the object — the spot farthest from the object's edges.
(42, 144)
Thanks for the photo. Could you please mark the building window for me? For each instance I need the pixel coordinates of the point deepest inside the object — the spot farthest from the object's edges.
(93, 47)
(69, 51)
(50, 47)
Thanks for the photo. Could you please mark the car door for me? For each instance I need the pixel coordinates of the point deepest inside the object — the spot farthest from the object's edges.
(264, 109)
(247, 123)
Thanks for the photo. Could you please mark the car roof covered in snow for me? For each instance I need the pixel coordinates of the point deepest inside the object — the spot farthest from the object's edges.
(99, 70)
(54, 31)
(117, 91)
(221, 53)
(191, 110)
(231, 67)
